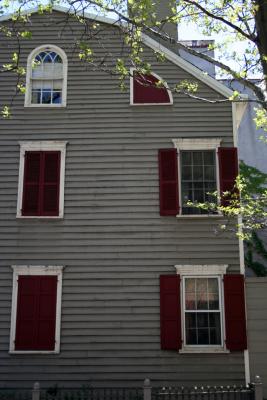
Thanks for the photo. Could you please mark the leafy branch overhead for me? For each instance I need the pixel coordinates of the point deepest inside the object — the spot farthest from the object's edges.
(235, 20)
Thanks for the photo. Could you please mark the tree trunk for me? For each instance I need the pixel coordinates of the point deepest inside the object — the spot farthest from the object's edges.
(261, 27)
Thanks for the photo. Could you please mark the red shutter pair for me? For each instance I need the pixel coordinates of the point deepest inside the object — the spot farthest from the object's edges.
(234, 309)
(168, 177)
(41, 183)
(36, 313)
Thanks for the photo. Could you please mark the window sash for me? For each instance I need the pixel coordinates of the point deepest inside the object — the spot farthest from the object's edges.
(219, 311)
(196, 187)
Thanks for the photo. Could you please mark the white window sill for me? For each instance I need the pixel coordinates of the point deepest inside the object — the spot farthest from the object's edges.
(33, 352)
(206, 350)
(150, 104)
(38, 217)
(199, 216)
(45, 105)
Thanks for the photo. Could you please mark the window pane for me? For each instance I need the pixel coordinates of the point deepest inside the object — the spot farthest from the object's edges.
(187, 173)
(186, 157)
(213, 294)
(209, 157)
(36, 96)
(190, 285)
(46, 96)
(203, 336)
(202, 320)
(198, 173)
(191, 336)
(190, 321)
(57, 98)
(209, 173)
(197, 158)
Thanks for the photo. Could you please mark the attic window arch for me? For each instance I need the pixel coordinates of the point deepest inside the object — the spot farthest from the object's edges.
(46, 80)
(144, 90)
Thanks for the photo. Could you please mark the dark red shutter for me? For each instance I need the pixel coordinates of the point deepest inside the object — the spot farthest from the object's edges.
(228, 170)
(146, 92)
(41, 184)
(168, 182)
(51, 183)
(31, 183)
(235, 315)
(170, 312)
(36, 313)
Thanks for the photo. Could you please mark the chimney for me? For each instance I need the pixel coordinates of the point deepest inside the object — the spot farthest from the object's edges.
(163, 10)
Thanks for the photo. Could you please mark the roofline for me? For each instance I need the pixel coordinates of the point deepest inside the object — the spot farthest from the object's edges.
(153, 44)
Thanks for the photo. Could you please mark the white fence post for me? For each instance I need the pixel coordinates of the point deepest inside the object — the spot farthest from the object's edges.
(147, 389)
(36, 391)
(258, 388)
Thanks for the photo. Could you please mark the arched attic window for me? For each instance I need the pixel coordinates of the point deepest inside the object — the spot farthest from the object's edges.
(46, 81)
(144, 90)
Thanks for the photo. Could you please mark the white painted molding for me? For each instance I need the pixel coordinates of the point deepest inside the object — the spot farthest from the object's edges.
(31, 57)
(42, 146)
(148, 104)
(35, 270)
(195, 270)
(197, 143)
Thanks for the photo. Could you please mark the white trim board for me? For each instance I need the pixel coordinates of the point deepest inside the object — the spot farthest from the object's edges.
(148, 104)
(42, 146)
(35, 270)
(153, 44)
(29, 81)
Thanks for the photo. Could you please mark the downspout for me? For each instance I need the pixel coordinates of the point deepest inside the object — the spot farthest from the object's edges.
(238, 110)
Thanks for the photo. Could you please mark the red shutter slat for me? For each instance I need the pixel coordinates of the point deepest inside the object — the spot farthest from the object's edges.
(228, 170)
(26, 312)
(45, 338)
(235, 315)
(170, 312)
(168, 182)
(30, 200)
(51, 183)
(36, 313)
(146, 92)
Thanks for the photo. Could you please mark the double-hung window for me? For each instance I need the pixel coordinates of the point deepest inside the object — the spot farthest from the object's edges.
(46, 80)
(41, 179)
(192, 171)
(198, 178)
(202, 309)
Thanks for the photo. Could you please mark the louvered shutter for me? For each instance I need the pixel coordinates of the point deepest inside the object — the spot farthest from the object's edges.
(228, 170)
(168, 182)
(31, 183)
(36, 313)
(51, 183)
(235, 315)
(146, 92)
(170, 312)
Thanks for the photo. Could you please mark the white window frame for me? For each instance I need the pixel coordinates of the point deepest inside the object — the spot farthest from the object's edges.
(42, 146)
(191, 145)
(29, 270)
(202, 271)
(31, 57)
(132, 70)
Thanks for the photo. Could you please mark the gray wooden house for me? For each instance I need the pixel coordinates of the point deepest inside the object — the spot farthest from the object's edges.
(107, 275)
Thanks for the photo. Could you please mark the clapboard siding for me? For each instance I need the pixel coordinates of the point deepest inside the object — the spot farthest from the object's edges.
(256, 291)
(112, 241)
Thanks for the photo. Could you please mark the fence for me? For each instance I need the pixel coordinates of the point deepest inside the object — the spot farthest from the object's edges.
(253, 391)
